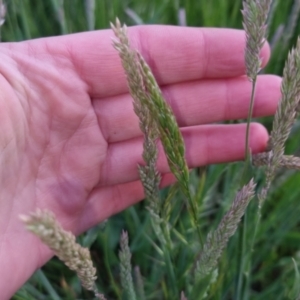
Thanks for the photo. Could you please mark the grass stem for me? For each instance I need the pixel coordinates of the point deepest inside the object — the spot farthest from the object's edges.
(250, 113)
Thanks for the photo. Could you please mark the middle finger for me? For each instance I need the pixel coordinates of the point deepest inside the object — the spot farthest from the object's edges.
(193, 103)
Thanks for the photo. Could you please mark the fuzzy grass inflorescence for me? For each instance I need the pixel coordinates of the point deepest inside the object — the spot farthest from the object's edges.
(287, 109)
(139, 284)
(217, 240)
(146, 92)
(255, 14)
(149, 175)
(283, 121)
(158, 120)
(63, 244)
(125, 266)
(148, 104)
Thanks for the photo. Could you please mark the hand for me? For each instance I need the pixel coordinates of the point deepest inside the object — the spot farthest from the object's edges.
(70, 141)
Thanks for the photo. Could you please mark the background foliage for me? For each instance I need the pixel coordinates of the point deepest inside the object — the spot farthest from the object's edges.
(274, 274)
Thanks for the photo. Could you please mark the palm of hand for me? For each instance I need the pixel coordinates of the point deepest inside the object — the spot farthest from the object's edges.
(52, 150)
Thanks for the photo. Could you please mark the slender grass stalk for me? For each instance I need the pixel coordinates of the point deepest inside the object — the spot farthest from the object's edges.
(134, 16)
(295, 291)
(107, 254)
(90, 6)
(249, 117)
(58, 6)
(271, 16)
(47, 285)
(125, 266)
(255, 13)
(292, 23)
(139, 284)
(2, 15)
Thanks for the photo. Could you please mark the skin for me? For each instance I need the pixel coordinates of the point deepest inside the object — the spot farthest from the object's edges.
(70, 141)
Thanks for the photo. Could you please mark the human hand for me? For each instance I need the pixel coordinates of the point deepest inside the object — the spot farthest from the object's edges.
(70, 141)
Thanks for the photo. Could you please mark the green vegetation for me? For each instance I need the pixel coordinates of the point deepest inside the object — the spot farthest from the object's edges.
(271, 270)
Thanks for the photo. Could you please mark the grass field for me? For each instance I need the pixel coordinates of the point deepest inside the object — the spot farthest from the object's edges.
(271, 270)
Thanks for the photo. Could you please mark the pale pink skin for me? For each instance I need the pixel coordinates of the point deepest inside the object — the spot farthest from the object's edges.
(70, 141)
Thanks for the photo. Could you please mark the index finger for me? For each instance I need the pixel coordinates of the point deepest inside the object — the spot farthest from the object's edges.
(175, 54)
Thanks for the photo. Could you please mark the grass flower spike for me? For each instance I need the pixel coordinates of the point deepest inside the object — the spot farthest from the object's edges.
(283, 121)
(287, 110)
(217, 240)
(45, 226)
(146, 92)
(139, 284)
(148, 174)
(255, 14)
(125, 265)
(151, 107)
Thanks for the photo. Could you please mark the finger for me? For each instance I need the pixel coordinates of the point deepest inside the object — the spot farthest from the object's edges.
(205, 144)
(193, 103)
(175, 54)
(107, 201)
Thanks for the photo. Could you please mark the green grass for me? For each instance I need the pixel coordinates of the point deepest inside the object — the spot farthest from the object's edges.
(273, 272)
